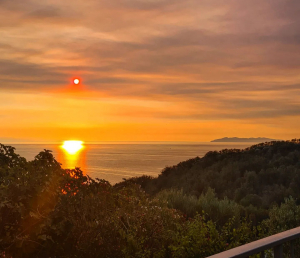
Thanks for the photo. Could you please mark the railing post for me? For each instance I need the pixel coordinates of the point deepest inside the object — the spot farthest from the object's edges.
(262, 254)
(278, 251)
(292, 249)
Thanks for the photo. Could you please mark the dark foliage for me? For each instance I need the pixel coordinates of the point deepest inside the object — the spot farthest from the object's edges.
(256, 178)
(47, 211)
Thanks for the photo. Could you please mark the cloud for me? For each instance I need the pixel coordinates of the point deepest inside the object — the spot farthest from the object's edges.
(45, 12)
(208, 59)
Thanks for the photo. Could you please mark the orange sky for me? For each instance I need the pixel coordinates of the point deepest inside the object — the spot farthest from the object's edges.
(151, 70)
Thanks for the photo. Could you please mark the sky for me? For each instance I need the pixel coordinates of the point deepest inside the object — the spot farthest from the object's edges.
(150, 70)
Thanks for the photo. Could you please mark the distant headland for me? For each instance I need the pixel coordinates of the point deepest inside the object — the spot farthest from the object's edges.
(236, 139)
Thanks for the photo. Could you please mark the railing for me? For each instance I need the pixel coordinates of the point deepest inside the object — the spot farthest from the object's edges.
(274, 242)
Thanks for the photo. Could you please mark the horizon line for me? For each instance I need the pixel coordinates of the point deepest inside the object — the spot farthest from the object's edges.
(130, 142)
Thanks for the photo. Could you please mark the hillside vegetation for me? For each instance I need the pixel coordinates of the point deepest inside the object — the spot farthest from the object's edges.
(255, 178)
(195, 209)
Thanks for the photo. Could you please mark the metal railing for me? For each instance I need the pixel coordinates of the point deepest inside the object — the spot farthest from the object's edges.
(274, 242)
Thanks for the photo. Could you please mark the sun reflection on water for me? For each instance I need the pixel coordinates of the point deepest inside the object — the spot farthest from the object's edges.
(72, 147)
(73, 155)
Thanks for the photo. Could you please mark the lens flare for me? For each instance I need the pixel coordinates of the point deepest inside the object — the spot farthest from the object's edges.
(72, 147)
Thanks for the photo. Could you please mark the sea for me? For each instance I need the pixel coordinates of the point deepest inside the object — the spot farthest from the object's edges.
(115, 162)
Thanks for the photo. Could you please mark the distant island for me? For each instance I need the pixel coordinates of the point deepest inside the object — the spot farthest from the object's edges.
(236, 139)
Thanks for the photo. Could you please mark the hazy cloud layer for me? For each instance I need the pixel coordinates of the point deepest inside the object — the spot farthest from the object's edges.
(204, 60)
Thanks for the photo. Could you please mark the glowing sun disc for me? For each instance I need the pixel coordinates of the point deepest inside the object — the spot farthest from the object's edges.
(72, 146)
(76, 81)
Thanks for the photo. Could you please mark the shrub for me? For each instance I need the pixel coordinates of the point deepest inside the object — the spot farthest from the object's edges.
(47, 211)
(201, 238)
(219, 211)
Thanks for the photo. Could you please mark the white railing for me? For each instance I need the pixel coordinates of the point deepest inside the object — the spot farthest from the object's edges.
(274, 242)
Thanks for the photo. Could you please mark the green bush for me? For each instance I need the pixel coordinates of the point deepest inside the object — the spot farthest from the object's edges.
(220, 211)
(283, 217)
(202, 238)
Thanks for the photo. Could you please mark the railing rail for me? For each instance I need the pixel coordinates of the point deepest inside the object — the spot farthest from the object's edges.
(259, 246)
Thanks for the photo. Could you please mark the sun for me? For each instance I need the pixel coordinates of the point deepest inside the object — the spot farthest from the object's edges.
(72, 146)
(76, 81)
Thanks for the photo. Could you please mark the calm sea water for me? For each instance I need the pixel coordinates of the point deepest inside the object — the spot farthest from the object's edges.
(113, 162)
